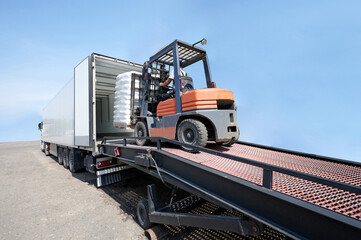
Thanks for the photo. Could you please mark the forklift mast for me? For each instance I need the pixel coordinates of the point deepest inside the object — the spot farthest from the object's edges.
(170, 55)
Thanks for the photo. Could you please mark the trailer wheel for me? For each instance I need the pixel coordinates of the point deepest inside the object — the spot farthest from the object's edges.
(143, 214)
(42, 147)
(66, 158)
(60, 156)
(71, 161)
(192, 131)
(140, 130)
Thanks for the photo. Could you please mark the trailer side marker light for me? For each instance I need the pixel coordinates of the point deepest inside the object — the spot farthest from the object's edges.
(104, 164)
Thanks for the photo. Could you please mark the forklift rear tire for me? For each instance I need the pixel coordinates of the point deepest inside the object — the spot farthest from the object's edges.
(226, 144)
(143, 214)
(192, 131)
(140, 130)
(60, 156)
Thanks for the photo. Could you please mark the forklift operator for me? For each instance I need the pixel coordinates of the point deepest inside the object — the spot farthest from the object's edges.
(171, 76)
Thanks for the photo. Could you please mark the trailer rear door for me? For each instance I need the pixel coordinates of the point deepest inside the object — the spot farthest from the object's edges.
(83, 101)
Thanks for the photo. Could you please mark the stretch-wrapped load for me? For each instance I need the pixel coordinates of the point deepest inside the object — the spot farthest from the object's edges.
(122, 100)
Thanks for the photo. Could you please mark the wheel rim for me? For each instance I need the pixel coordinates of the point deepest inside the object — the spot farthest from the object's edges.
(189, 135)
(140, 132)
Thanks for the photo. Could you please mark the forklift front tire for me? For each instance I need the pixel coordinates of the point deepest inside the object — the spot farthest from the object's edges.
(194, 132)
(140, 130)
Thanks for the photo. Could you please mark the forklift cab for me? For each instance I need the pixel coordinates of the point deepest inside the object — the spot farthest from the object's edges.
(192, 116)
(154, 71)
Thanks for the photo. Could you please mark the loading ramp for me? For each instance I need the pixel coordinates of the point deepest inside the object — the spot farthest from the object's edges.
(303, 196)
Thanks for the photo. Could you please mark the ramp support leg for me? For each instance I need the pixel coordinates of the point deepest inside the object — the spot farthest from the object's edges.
(225, 223)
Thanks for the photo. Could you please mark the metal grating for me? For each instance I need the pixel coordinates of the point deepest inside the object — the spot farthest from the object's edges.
(331, 198)
(103, 180)
(186, 54)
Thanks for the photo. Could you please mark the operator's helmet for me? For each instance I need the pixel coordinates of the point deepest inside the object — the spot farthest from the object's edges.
(180, 63)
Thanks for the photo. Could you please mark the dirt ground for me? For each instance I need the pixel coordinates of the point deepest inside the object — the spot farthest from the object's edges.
(39, 199)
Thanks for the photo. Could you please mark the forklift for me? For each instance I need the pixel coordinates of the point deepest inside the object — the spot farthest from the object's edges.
(192, 116)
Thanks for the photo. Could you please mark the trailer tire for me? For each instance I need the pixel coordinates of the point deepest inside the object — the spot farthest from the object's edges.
(60, 156)
(66, 158)
(76, 163)
(143, 214)
(192, 131)
(72, 167)
(140, 130)
(42, 148)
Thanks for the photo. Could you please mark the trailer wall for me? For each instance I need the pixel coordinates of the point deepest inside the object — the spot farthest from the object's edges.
(58, 117)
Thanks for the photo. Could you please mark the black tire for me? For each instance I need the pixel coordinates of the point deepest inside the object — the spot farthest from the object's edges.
(140, 130)
(42, 148)
(192, 131)
(72, 167)
(143, 214)
(66, 158)
(226, 144)
(60, 156)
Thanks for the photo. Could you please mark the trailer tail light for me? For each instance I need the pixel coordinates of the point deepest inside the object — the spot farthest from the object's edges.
(47, 147)
(104, 163)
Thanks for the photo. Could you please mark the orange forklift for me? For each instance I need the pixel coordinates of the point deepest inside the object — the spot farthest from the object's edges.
(192, 116)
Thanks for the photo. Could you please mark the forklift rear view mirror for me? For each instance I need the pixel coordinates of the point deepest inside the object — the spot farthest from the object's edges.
(204, 41)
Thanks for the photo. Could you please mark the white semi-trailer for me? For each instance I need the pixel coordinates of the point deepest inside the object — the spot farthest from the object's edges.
(81, 114)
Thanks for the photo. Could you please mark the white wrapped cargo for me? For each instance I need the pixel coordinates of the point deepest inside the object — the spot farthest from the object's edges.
(122, 100)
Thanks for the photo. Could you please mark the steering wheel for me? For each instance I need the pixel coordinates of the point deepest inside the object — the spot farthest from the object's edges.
(166, 88)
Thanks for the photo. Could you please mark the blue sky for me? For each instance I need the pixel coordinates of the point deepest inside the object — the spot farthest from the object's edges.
(294, 66)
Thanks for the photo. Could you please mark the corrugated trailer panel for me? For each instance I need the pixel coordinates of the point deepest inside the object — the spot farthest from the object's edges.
(58, 117)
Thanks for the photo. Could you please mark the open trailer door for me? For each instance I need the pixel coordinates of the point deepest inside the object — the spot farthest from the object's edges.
(83, 103)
